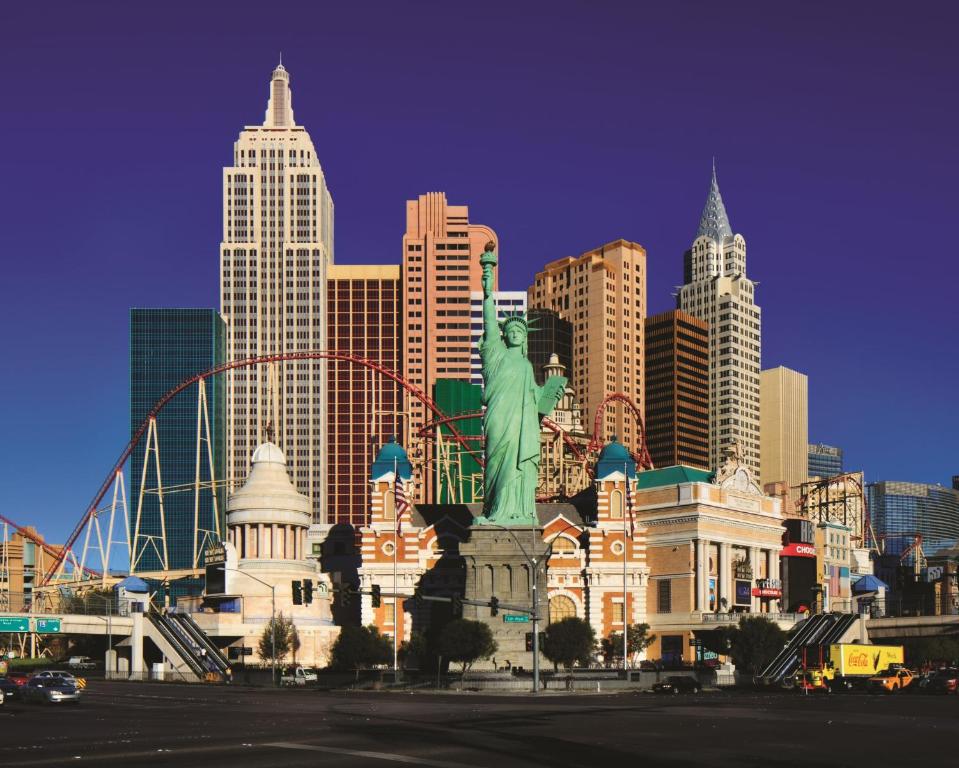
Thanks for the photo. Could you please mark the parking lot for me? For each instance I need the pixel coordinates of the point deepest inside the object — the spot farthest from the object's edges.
(178, 725)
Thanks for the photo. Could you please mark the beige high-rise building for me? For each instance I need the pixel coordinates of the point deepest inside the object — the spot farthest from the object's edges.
(784, 427)
(717, 290)
(603, 294)
(277, 245)
(441, 252)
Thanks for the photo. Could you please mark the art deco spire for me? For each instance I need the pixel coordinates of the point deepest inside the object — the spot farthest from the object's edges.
(714, 222)
(279, 110)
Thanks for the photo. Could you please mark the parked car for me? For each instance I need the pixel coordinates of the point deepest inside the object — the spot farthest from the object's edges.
(50, 690)
(677, 684)
(81, 662)
(944, 680)
(9, 690)
(892, 680)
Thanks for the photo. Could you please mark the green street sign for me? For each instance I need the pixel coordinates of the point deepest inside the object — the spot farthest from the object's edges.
(48, 625)
(14, 624)
(515, 618)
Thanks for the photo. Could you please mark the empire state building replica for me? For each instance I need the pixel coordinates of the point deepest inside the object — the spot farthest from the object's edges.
(277, 245)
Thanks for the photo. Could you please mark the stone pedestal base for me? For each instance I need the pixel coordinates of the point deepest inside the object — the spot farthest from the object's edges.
(499, 563)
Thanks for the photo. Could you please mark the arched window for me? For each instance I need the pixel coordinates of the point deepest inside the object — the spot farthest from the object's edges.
(563, 546)
(389, 504)
(561, 607)
(616, 505)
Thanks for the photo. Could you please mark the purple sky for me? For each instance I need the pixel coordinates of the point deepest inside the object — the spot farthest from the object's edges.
(563, 125)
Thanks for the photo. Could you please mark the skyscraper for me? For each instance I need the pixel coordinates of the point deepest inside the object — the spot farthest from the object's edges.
(554, 336)
(166, 347)
(824, 461)
(717, 290)
(507, 303)
(441, 251)
(603, 294)
(364, 307)
(784, 426)
(899, 511)
(277, 245)
(677, 389)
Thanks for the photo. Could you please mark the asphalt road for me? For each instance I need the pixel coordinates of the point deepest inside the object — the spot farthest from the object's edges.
(126, 724)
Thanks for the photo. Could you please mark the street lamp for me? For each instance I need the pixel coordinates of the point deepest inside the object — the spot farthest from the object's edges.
(272, 612)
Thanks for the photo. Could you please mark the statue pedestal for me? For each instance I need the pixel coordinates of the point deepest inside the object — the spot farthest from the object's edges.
(498, 563)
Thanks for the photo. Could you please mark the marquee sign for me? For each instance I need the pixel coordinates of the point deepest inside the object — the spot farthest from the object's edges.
(798, 550)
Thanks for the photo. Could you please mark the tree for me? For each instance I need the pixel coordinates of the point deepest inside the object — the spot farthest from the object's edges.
(358, 647)
(638, 640)
(464, 641)
(286, 636)
(414, 653)
(718, 640)
(755, 643)
(569, 641)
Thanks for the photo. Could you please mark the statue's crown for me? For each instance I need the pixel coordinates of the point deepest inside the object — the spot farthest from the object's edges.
(520, 318)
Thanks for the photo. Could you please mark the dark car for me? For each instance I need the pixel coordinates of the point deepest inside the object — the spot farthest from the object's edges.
(18, 678)
(943, 681)
(9, 690)
(50, 690)
(677, 684)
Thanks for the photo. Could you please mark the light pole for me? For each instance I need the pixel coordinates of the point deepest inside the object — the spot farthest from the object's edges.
(272, 614)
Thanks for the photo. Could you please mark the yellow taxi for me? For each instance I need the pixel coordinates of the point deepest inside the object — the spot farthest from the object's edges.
(891, 680)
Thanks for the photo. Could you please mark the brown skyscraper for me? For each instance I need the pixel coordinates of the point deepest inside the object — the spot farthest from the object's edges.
(677, 389)
(441, 251)
(603, 294)
(363, 314)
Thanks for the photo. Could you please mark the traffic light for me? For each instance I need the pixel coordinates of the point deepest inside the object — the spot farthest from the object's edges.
(529, 641)
(457, 602)
(375, 593)
(493, 606)
(297, 593)
(307, 591)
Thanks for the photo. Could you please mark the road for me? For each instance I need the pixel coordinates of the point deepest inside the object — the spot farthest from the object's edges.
(120, 724)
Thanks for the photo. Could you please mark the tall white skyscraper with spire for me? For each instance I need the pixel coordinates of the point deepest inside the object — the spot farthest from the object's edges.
(717, 290)
(277, 245)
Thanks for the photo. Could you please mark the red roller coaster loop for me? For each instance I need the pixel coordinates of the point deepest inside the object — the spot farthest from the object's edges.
(642, 455)
(245, 363)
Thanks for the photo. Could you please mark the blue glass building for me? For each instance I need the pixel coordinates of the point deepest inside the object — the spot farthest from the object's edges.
(824, 461)
(899, 511)
(166, 347)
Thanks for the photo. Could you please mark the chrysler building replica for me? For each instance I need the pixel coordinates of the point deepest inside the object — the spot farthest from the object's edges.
(717, 290)
(277, 245)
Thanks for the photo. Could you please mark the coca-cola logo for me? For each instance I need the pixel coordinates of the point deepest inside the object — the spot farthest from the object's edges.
(858, 659)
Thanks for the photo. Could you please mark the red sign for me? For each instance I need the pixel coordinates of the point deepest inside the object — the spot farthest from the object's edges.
(767, 592)
(798, 550)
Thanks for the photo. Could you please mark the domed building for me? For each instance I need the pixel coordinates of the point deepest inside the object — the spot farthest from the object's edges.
(263, 557)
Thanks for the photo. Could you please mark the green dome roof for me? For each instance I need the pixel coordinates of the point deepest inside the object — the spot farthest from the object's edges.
(614, 458)
(392, 458)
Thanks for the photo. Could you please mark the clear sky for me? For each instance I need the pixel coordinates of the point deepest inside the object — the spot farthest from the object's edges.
(563, 125)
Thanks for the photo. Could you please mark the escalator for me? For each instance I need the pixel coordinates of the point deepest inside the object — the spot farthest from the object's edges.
(820, 630)
(178, 652)
(216, 661)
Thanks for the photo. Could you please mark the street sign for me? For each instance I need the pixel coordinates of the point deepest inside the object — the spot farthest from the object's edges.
(515, 618)
(14, 624)
(49, 626)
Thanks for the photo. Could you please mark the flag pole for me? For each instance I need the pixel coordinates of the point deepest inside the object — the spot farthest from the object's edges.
(625, 596)
(396, 545)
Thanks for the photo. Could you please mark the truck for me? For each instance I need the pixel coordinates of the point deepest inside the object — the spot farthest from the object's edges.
(298, 676)
(843, 666)
(81, 662)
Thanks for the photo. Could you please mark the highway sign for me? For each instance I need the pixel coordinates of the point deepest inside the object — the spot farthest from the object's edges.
(14, 624)
(515, 618)
(48, 625)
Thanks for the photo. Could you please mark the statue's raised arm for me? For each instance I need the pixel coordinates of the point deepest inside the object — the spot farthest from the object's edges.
(491, 330)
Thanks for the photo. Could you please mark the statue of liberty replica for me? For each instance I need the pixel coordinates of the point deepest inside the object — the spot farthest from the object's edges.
(515, 406)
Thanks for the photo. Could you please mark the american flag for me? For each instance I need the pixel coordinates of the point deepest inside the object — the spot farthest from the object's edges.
(402, 503)
(629, 503)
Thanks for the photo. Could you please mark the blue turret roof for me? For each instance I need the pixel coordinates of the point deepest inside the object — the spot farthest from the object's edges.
(392, 458)
(615, 458)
